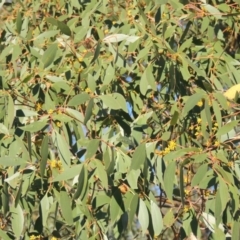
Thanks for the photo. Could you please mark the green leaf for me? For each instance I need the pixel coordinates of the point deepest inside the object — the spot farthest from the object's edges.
(120, 37)
(79, 99)
(88, 112)
(96, 53)
(147, 81)
(92, 148)
(217, 112)
(102, 200)
(44, 155)
(227, 128)
(12, 161)
(223, 190)
(143, 216)
(17, 220)
(65, 204)
(68, 173)
(19, 22)
(19, 193)
(174, 118)
(35, 126)
(45, 206)
(191, 102)
(63, 148)
(133, 208)
(212, 10)
(235, 230)
(3, 129)
(49, 55)
(82, 183)
(114, 101)
(75, 114)
(169, 181)
(139, 157)
(169, 218)
(53, 21)
(186, 44)
(132, 178)
(114, 210)
(157, 220)
(3, 234)
(199, 175)
(10, 111)
(64, 28)
(109, 75)
(101, 173)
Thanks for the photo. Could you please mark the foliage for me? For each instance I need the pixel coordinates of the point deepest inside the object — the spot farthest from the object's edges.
(113, 119)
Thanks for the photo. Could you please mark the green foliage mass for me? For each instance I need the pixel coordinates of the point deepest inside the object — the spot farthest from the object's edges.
(113, 119)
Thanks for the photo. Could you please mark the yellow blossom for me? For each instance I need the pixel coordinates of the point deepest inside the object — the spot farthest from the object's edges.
(200, 103)
(80, 69)
(53, 163)
(53, 238)
(80, 59)
(199, 120)
(172, 145)
(106, 31)
(197, 134)
(186, 191)
(208, 143)
(88, 90)
(50, 111)
(160, 153)
(59, 164)
(166, 151)
(59, 124)
(186, 209)
(38, 106)
(214, 129)
(191, 127)
(185, 180)
(230, 164)
(32, 237)
(207, 193)
(215, 124)
(197, 128)
(217, 144)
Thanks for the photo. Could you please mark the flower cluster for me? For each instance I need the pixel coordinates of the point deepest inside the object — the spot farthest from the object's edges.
(171, 146)
(32, 237)
(55, 164)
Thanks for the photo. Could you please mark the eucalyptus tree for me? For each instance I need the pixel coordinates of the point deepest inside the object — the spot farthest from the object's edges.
(119, 119)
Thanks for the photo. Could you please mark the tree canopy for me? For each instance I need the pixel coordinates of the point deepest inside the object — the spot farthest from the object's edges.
(119, 119)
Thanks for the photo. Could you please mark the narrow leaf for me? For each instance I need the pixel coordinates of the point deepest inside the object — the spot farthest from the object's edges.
(49, 55)
(44, 155)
